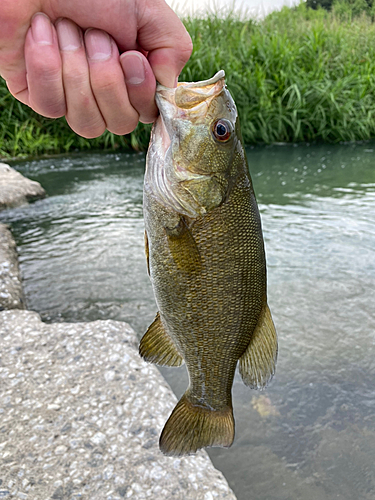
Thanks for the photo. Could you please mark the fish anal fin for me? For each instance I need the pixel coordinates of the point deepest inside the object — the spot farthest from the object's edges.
(147, 253)
(183, 247)
(191, 427)
(157, 347)
(257, 364)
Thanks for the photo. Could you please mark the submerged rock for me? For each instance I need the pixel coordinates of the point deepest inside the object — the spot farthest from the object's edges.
(15, 189)
(11, 294)
(81, 416)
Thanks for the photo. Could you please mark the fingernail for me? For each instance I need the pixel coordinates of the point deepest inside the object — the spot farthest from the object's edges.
(133, 67)
(41, 29)
(98, 45)
(69, 35)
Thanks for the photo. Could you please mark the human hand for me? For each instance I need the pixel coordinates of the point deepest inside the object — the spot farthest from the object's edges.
(55, 63)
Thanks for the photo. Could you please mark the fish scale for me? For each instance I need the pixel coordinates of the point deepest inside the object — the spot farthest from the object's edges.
(206, 262)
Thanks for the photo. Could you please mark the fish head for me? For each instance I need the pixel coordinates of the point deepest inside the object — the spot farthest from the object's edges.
(193, 144)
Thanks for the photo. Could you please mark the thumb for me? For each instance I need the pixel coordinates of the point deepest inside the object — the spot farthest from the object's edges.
(166, 40)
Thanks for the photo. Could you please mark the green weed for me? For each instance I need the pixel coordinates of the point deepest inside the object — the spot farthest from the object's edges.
(297, 75)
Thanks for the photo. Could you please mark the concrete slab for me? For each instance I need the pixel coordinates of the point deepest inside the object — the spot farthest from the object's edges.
(81, 414)
(11, 294)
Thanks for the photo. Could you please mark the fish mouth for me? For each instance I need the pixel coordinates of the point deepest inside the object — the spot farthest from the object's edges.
(189, 100)
(165, 170)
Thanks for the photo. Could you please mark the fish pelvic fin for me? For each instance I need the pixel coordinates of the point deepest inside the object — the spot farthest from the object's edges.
(191, 427)
(257, 365)
(157, 347)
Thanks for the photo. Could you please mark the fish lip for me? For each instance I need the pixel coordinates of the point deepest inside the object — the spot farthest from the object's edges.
(165, 98)
(203, 83)
(168, 111)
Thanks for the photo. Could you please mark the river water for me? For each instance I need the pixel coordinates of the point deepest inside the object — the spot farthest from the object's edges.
(311, 434)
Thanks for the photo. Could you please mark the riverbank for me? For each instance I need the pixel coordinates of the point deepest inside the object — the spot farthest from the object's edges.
(80, 412)
(81, 415)
(297, 75)
(11, 293)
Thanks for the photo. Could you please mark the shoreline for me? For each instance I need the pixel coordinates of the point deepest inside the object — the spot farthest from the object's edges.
(296, 75)
(81, 412)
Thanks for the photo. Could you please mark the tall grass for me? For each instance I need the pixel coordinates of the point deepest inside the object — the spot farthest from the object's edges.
(25, 133)
(297, 75)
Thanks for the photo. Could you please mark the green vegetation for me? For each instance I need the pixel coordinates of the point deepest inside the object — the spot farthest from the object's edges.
(346, 8)
(25, 133)
(298, 75)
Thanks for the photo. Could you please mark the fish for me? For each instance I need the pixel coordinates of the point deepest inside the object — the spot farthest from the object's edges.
(206, 262)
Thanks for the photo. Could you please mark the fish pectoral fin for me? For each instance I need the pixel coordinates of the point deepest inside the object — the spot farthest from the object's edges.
(157, 347)
(257, 364)
(147, 253)
(183, 247)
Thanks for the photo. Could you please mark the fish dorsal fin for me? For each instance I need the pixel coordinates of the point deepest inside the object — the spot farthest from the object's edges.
(157, 347)
(257, 364)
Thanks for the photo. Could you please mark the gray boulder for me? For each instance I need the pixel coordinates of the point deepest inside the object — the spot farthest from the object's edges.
(11, 294)
(80, 417)
(15, 189)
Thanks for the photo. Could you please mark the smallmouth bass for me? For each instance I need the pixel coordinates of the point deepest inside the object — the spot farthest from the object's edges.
(206, 261)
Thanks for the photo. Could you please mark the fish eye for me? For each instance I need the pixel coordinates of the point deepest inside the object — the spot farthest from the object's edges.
(222, 130)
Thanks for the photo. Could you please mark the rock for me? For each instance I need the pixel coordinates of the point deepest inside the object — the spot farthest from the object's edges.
(11, 294)
(102, 441)
(15, 189)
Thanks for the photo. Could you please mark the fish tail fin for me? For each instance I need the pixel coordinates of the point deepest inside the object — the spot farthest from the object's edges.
(191, 427)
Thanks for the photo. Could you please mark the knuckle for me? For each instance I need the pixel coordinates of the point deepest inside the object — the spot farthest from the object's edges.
(76, 79)
(149, 114)
(88, 130)
(49, 102)
(47, 68)
(102, 84)
(187, 47)
(124, 127)
(50, 109)
(146, 119)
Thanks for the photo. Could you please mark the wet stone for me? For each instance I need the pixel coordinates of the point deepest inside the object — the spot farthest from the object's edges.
(11, 294)
(15, 189)
(86, 448)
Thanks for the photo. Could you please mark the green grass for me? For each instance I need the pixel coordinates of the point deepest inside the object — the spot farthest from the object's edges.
(25, 133)
(298, 75)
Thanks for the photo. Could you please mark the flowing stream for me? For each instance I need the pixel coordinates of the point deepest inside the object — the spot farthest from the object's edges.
(311, 434)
